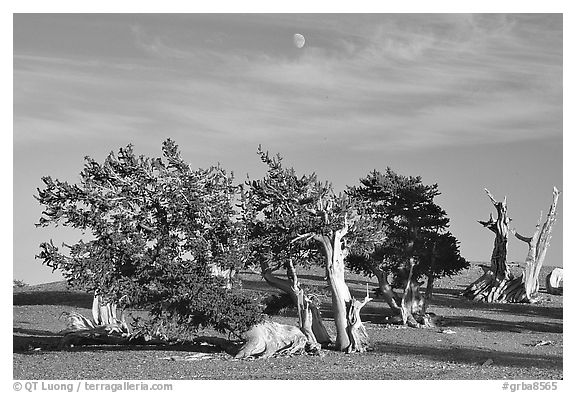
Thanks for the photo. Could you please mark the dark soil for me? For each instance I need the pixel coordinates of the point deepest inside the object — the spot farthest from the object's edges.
(475, 341)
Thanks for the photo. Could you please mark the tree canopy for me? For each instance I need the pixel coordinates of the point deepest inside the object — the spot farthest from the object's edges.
(153, 227)
(414, 225)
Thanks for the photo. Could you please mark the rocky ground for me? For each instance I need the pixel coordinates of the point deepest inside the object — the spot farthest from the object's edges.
(475, 341)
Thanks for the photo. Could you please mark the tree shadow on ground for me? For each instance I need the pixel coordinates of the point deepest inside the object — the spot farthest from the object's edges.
(467, 355)
(349, 281)
(56, 298)
(30, 342)
(487, 324)
(26, 340)
(451, 298)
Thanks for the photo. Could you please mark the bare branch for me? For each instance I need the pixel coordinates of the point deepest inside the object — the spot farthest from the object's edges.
(520, 237)
(490, 196)
(305, 236)
(344, 230)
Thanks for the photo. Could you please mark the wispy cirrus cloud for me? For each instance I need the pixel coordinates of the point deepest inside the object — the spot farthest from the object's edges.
(454, 98)
(413, 80)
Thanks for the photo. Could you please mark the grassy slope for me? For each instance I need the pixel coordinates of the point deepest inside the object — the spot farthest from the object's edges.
(504, 333)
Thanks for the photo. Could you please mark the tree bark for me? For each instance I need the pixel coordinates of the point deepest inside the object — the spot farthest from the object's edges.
(350, 333)
(356, 330)
(412, 305)
(492, 285)
(310, 320)
(341, 297)
(385, 289)
(309, 317)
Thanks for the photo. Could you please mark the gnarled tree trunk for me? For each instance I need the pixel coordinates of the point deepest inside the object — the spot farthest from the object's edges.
(386, 291)
(269, 338)
(310, 320)
(350, 333)
(412, 305)
(497, 284)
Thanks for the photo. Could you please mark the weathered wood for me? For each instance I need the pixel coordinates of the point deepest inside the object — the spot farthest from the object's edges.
(334, 251)
(412, 305)
(270, 338)
(497, 284)
(105, 313)
(493, 283)
(331, 247)
(356, 329)
(106, 328)
(537, 245)
(310, 319)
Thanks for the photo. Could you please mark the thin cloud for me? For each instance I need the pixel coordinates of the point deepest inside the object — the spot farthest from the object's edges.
(412, 81)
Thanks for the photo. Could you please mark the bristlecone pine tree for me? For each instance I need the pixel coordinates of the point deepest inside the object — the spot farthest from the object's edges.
(498, 284)
(153, 229)
(416, 241)
(269, 231)
(294, 220)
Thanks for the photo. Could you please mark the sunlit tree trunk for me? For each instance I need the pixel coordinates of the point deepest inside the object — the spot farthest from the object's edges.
(310, 320)
(537, 245)
(350, 333)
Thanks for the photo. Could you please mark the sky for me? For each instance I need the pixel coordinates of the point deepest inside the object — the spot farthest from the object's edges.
(467, 101)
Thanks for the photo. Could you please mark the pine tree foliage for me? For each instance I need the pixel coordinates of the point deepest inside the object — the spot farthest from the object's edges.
(152, 227)
(414, 225)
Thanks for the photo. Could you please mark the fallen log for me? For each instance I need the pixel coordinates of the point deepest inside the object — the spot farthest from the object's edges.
(270, 338)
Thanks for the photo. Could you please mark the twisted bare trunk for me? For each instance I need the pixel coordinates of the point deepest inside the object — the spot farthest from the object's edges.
(350, 333)
(310, 319)
(340, 293)
(497, 284)
(386, 291)
(270, 339)
(493, 285)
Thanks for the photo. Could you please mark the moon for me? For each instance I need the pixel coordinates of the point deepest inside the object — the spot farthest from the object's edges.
(299, 40)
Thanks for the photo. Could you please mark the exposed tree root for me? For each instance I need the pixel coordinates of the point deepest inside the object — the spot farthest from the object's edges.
(490, 289)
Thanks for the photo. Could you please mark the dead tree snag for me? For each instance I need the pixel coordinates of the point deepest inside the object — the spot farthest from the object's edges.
(537, 245)
(497, 284)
